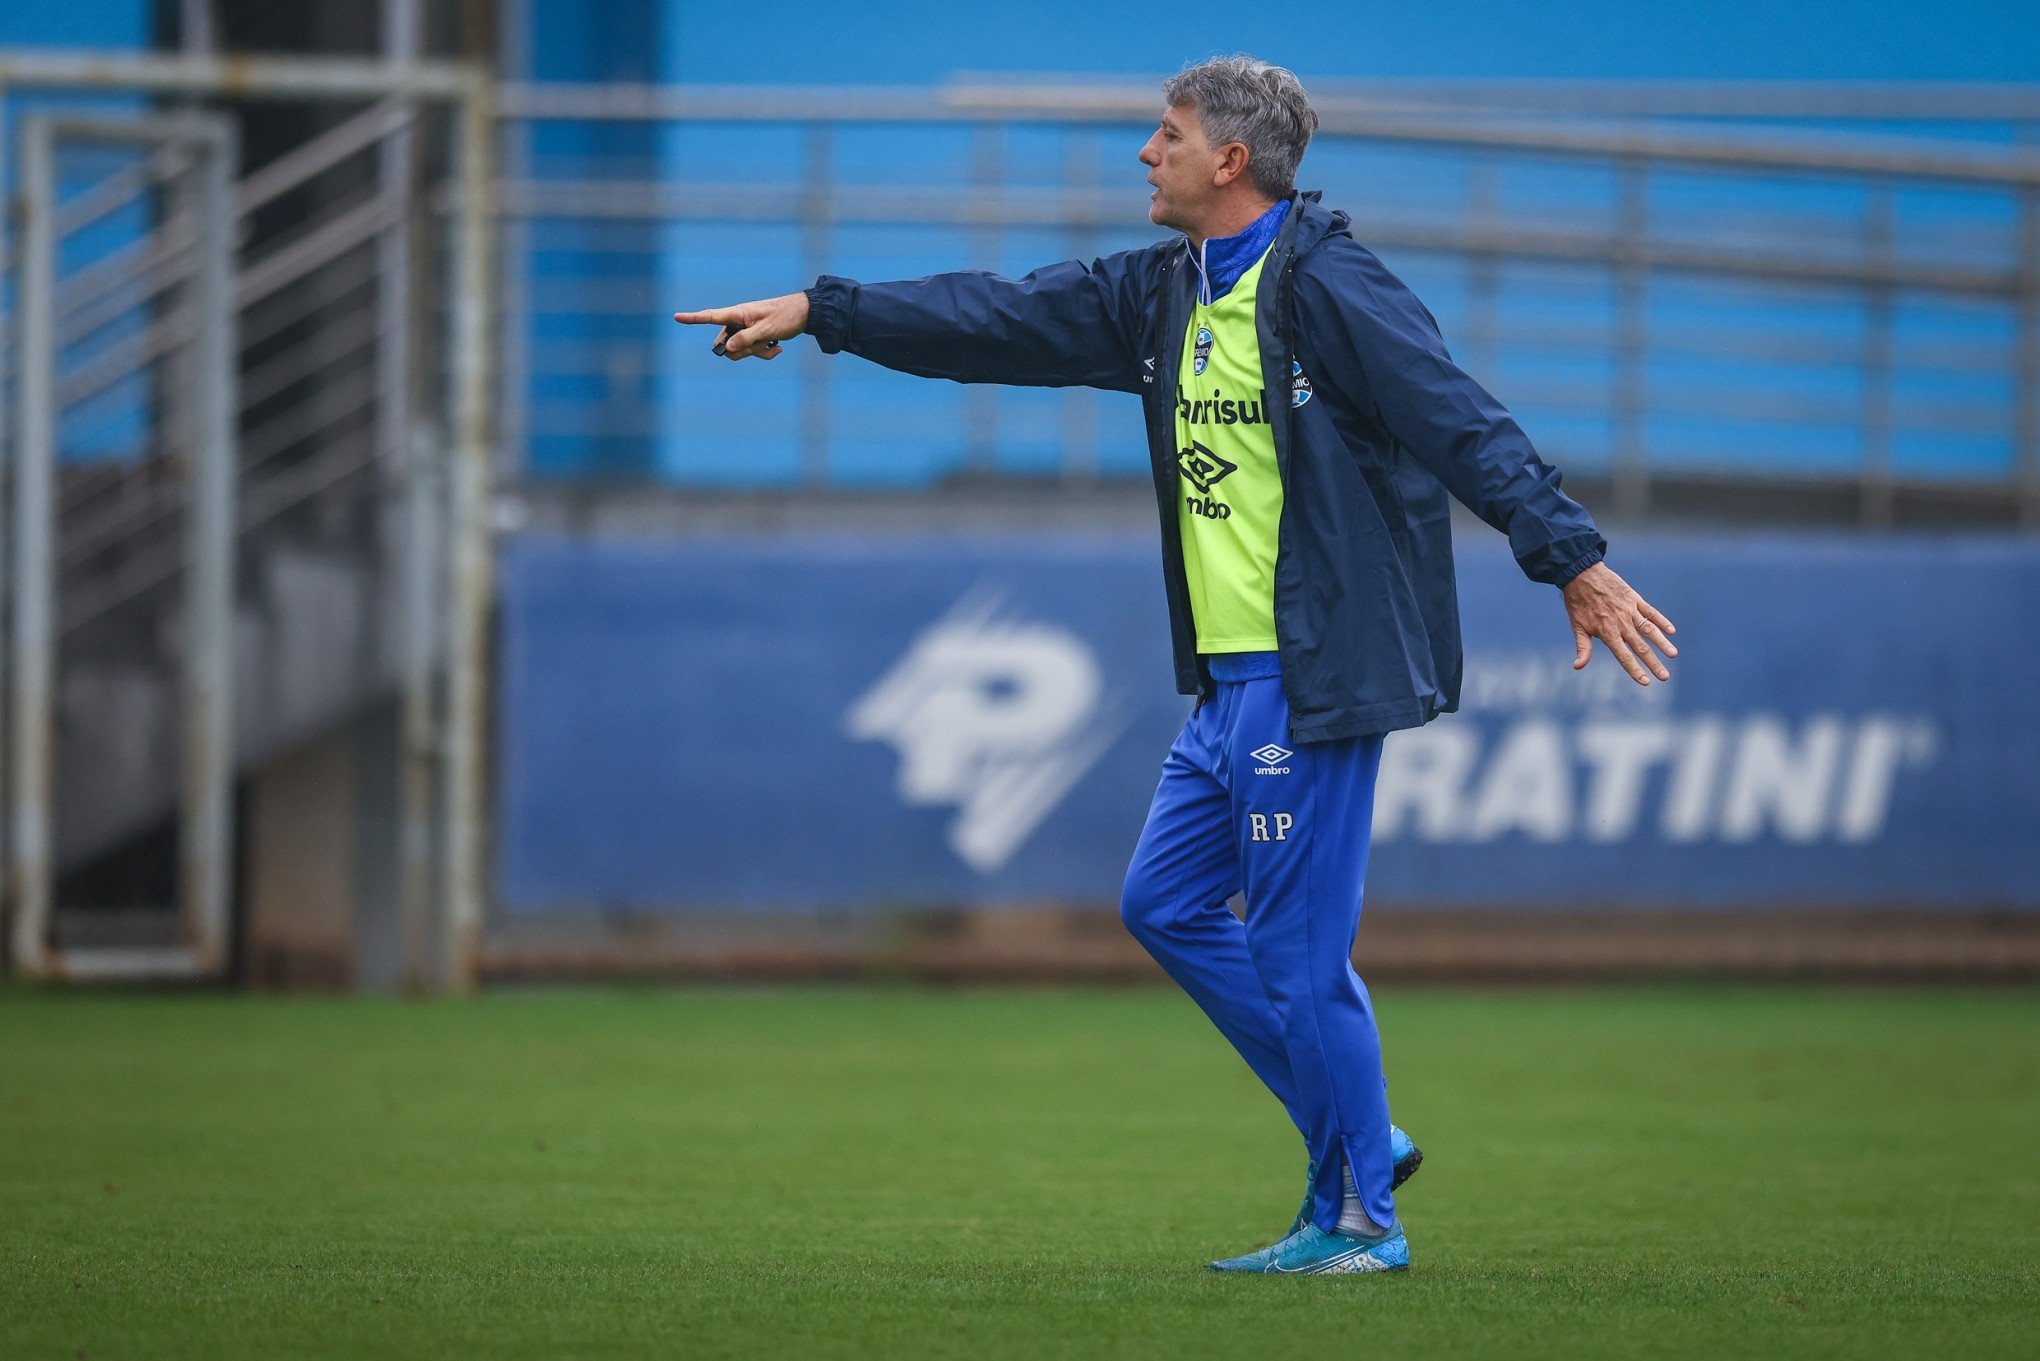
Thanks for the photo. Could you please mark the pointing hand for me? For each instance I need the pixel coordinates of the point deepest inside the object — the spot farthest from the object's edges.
(753, 328)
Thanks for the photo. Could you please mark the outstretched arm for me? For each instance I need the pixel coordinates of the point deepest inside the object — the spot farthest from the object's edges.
(1378, 348)
(1068, 325)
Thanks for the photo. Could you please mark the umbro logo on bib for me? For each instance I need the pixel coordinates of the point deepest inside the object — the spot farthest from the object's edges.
(1204, 468)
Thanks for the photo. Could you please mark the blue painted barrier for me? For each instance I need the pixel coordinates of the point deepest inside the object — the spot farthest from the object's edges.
(856, 723)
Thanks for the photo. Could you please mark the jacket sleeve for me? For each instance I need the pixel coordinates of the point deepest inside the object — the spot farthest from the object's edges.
(1376, 348)
(1068, 325)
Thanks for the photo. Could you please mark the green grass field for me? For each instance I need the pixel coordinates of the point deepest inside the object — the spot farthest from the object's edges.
(1610, 1173)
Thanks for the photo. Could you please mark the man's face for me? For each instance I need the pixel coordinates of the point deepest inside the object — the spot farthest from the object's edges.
(1180, 167)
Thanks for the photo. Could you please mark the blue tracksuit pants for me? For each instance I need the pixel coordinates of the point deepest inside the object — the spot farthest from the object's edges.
(1238, 809)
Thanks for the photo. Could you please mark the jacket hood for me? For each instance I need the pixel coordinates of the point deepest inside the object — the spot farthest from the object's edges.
(1314, 221)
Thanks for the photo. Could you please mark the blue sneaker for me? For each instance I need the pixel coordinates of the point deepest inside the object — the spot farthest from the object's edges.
(1408, 1158)
(1310, 1251)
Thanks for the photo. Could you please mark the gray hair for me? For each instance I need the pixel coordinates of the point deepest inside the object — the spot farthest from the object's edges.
(1263, 107)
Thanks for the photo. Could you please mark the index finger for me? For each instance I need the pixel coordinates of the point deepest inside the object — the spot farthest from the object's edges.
(714, 316)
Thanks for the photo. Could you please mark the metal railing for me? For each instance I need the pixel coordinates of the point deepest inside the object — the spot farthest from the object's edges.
(195, 367)
(1602, 276)
(327, 405)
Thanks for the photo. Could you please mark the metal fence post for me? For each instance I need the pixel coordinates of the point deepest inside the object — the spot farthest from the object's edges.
(817, 169)
(513, 361)
(1483, 270)
(1630, 399)
(205, 851)
(987, 175)
(406, 464)
(472, 564)
(1879, 492)
(421, 584)
(1080, 405)
(2027, 437)
(394, 168)
(34, 583)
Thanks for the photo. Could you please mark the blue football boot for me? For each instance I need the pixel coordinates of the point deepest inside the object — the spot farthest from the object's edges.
(1310, 1251)
(1408, 1158)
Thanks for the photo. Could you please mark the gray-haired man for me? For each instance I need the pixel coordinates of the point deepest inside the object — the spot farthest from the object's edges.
(1305, 426)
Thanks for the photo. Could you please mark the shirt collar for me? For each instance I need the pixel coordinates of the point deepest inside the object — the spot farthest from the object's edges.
(1223, 259)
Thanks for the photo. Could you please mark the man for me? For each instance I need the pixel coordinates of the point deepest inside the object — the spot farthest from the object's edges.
(1305, 424)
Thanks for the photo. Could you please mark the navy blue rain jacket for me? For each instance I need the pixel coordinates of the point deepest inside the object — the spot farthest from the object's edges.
(1373, 424)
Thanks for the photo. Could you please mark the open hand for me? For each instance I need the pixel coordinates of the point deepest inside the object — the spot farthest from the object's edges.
(1602, 605)
(753, 328)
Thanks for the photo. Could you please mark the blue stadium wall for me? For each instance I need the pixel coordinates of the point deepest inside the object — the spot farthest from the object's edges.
(647, 408)
(78, 23)
(651, 411)
(863, 724)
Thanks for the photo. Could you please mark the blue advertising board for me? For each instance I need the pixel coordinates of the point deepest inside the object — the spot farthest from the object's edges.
(859, 723)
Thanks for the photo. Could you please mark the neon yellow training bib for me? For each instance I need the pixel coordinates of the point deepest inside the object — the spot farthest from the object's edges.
(1227, 474)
